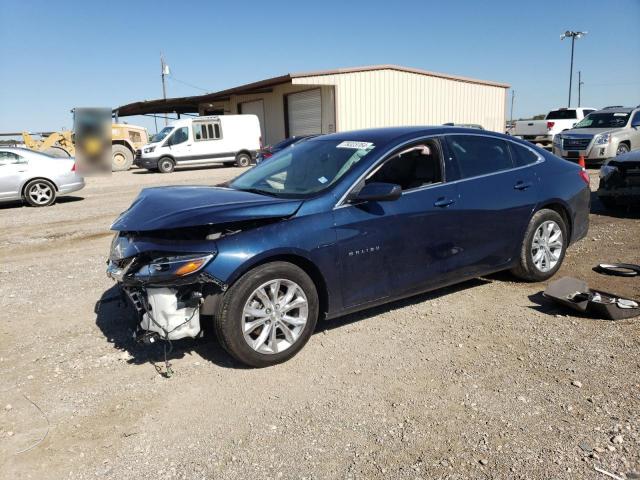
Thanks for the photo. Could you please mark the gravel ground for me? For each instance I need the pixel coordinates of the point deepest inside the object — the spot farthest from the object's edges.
(481, 380)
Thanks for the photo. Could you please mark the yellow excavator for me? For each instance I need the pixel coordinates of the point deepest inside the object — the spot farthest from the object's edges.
(125, 140)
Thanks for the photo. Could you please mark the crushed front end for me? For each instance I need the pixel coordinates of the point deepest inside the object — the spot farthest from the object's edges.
(165, 285)
(620, 181)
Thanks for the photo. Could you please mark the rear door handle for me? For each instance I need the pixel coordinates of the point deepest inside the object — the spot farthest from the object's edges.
(443, 202)
(522, 185)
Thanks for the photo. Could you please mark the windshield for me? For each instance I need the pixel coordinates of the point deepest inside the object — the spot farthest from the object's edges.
(562, 115)
(603, 120)
(161, 135)
(300, 172)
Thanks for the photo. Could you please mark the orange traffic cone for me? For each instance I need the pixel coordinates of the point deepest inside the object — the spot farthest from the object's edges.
(581, 161)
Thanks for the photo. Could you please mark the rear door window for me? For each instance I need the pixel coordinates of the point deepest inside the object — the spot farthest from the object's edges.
(477, 155)
(562, 115)
(522, 156)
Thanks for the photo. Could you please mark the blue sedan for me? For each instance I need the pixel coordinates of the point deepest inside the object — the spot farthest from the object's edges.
(338, 224)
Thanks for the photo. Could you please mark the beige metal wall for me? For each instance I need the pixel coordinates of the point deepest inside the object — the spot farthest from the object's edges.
(274, 124)
(382, 98)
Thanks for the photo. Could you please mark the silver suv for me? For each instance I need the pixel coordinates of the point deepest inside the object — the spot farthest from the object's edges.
(601, 135)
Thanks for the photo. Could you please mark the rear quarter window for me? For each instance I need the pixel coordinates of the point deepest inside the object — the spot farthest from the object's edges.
(477, 155)
(522, 156)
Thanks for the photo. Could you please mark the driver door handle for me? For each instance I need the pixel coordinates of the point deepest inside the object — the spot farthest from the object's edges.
(522, 185)
(444, 202)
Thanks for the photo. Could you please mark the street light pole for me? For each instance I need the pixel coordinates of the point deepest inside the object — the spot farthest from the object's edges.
(573, 35)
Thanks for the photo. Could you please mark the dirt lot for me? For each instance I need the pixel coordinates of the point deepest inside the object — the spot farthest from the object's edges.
(482, 380)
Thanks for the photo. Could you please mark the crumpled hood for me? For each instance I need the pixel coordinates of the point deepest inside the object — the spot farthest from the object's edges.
(162, 208)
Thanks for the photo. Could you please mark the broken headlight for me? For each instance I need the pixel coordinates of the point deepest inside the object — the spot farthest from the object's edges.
(171, 267)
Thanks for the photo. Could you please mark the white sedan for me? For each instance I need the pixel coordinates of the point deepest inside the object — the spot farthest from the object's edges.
(35, 177)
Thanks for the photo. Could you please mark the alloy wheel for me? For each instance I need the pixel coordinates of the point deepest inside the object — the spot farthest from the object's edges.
(274, 316)
(546, 246)
(40, 193)
(622, 149)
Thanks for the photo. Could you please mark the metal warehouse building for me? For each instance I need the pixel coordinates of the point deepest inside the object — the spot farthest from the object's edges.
(347, 99)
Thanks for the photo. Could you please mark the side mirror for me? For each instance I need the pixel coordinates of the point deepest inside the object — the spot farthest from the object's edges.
(377, 192)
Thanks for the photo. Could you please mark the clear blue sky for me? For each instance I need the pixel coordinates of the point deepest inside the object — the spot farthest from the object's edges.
(58, 55)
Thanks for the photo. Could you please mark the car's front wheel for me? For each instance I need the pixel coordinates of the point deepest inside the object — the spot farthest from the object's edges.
(166, 165)
(268, 315)
(543, 248)
(622, 149)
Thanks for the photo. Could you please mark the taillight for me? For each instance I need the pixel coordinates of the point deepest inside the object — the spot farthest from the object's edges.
(584, 175)
(267, 154)
(550, 125)
(73, 169)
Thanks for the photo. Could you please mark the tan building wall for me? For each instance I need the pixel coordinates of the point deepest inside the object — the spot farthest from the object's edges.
(382, 98)
(274, 127)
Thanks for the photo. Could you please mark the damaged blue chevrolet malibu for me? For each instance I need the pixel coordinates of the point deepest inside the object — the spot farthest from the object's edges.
(340, 223)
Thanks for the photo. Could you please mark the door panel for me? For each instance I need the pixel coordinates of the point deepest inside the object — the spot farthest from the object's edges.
(496, 202)
(390, 248)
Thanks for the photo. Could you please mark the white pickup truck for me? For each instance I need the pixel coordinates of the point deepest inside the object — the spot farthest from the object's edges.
(556, 121)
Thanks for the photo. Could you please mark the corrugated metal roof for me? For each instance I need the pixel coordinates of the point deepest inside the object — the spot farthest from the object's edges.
(190, 104)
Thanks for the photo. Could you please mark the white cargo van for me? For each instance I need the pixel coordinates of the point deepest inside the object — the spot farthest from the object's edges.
(211, 140)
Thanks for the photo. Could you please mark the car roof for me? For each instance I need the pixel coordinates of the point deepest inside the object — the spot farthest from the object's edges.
(391, 134)
(26, 151)
(615, 110)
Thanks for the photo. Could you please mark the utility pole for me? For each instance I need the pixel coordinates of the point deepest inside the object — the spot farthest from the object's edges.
(580, 83)
(164, 71)
(573, 35)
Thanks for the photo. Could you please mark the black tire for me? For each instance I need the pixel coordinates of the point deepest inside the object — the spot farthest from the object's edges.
(121, 158)
(166, 165)
(622, 149)
(32, 195)
(228, 323)
(243, 160)
(526, 268)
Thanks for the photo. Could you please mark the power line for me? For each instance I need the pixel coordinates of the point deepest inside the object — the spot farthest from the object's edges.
(187, 84)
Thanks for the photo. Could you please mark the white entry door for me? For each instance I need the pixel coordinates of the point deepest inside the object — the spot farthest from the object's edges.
(254, 108)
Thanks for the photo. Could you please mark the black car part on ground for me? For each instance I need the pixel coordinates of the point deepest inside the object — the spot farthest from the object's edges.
(577, 295)
(618, 269)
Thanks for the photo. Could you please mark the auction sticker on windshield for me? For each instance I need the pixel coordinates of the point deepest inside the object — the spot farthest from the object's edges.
(355, 145)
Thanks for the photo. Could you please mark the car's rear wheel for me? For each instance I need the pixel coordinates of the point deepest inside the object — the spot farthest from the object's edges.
(166, 165)
(543, 248)
(121, 158)
(243, 160)
(39, 193)
(268, 315)
(622, 149)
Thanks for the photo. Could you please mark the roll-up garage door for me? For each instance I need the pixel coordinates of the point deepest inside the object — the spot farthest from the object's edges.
(254, 108)
(304, 113)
